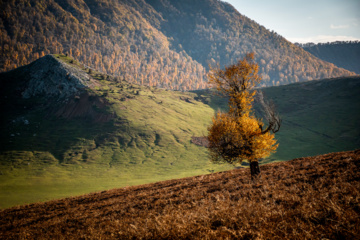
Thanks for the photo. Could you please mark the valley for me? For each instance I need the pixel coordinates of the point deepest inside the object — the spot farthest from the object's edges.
(111, 133)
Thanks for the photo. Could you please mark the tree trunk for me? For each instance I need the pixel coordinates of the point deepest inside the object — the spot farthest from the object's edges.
(254, 168)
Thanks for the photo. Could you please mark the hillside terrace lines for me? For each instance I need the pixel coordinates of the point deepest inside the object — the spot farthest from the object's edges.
(312, 197)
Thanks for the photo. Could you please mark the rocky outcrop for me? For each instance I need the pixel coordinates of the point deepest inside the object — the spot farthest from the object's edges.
(53, 78)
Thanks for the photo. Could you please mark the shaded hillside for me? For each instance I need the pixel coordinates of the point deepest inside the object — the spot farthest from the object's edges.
(165, 43)
(317, 116)
(306, 198)
(342, 54)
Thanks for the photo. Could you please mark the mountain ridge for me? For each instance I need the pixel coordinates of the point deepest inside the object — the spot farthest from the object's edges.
(342, 54)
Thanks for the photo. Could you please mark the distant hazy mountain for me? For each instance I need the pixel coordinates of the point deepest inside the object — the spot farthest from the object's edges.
(342, 54)
(164, 43)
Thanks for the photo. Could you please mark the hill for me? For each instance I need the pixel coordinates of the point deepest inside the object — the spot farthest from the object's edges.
(318, 116)
(161, 43)
(342, 54)
(315, 197)
(67, 129)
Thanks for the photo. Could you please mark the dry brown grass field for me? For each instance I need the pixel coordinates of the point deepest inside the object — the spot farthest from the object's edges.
(306, 198)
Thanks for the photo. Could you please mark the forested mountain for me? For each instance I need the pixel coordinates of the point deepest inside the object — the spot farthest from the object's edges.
(213, 31)
(160, 43)
(107, 35)
(342, 54)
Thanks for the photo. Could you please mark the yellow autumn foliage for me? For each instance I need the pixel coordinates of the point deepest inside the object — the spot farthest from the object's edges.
(236, 139)
(238, 135)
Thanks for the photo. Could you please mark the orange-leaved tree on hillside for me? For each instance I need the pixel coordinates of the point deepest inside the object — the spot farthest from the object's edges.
(239, 135)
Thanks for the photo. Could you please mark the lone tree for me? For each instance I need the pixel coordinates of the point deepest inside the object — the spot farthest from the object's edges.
(239, 135)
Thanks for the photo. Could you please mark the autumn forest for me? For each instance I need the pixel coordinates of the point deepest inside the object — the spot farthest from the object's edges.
(142, 41)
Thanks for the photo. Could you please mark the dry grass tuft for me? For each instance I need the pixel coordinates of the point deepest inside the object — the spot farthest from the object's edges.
(306, 198)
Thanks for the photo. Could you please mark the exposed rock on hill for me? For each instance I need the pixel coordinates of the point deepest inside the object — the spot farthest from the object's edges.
(57, 85)
(51, 77)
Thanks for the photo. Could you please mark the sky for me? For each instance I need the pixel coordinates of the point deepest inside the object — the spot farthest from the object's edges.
(305, 21)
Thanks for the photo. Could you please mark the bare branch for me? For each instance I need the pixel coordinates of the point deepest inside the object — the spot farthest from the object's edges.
(270, 114)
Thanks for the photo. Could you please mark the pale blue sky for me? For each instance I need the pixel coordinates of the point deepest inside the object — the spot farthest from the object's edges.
(305, 20)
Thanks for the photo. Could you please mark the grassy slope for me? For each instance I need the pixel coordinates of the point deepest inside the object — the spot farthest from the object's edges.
(149, 139)
(307, 198)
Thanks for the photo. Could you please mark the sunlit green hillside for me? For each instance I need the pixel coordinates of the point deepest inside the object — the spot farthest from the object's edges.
(112, 134)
